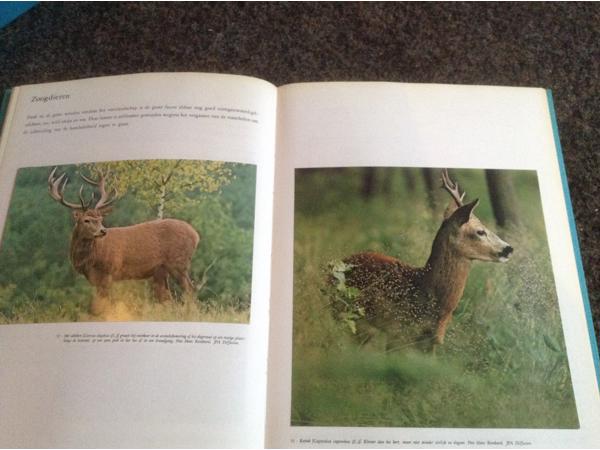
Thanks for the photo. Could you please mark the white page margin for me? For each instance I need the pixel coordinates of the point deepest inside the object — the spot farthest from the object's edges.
(357, 124)
(42, 410)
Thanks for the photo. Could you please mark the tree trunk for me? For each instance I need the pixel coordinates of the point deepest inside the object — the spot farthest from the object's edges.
(368, 182)
(503, 198)
(409, 179)
(163, 190)
(430, 186)
(161, 201)
(386, 183)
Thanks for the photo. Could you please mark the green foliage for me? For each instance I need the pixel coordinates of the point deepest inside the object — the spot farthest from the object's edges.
(343, 297)
(162, 183)
(503, 363)
(38, 284)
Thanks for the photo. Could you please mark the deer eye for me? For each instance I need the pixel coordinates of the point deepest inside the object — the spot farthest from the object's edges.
(86, 221)
(481, 232)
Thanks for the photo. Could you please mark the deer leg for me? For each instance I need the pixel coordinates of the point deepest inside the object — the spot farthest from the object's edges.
(427, 342)
(440, 331)
(161, 285)
(101, 300)
(184, 280)
(370, 337)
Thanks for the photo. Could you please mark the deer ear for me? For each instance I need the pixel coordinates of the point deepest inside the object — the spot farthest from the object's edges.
(452, 206)
(463, 213)
(77, 214)
(105, 211)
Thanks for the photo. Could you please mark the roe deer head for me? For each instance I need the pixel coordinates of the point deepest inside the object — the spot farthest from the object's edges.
(154, 249)
(402, 300)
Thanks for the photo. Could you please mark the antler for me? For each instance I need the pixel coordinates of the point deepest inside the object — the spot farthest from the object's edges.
(104, 196)
(452, 188)
(57, 185)
(57, 192)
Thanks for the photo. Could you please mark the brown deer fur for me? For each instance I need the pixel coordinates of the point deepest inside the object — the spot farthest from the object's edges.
(154, 249)
(415, 305)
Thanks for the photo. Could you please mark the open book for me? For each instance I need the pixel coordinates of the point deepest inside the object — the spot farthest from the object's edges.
(208, 260)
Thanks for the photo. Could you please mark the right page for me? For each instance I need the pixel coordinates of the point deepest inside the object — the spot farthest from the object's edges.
(425, 285)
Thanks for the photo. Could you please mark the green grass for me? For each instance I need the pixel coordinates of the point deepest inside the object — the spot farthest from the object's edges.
(38, 283)
(503, 363)
(131, 301)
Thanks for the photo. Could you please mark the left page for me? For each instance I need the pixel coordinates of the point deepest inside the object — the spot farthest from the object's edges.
(133, 212)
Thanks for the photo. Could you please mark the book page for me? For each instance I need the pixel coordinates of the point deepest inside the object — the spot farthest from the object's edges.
(405, 314)
(136, 220)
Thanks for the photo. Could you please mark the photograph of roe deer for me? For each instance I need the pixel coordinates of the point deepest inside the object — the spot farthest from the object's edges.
(425, 298)
(144, 240)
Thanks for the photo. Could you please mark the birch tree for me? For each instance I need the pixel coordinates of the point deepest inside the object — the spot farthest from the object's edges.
(163, 185)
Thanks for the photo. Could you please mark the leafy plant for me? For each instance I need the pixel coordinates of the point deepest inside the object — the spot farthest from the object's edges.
(37, 282)
(503, 363)
(163, 183)
(344, 298)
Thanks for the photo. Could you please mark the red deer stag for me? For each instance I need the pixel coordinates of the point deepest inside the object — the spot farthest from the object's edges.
(403, 301)
(154, 249)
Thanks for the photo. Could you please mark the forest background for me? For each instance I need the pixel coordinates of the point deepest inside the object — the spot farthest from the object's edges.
(503, 363)
(38, 284)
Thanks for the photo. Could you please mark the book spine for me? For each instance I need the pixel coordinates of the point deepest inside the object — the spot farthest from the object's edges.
(574, 237)
(4, 121)
(3, 108)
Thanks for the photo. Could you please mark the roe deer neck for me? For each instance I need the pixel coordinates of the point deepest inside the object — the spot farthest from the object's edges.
(445, 273)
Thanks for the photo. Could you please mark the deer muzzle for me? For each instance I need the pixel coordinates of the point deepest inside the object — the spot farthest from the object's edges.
(505, 253)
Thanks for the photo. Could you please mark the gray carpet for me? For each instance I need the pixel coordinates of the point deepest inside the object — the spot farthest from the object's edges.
(553, 45)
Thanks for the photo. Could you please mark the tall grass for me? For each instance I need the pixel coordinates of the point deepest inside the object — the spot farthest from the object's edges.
(132, 301)
(39, 284)
(503, 363)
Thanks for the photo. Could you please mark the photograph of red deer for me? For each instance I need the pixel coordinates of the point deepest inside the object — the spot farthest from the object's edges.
(144, 240)
(425, 298)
